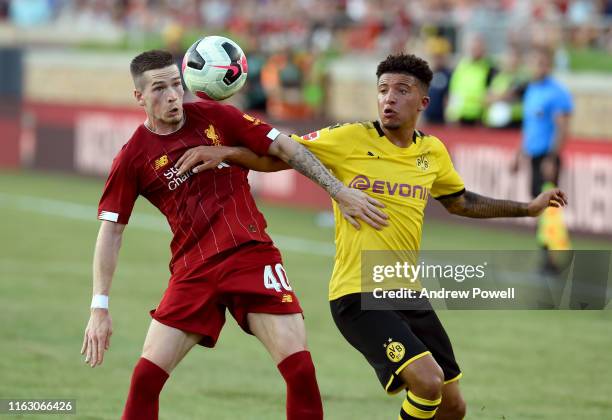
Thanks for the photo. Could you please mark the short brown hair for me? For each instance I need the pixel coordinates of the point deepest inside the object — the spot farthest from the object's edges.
(150, 60)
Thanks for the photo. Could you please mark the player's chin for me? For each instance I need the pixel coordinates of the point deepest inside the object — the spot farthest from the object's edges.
(174, 117)
(391, 125)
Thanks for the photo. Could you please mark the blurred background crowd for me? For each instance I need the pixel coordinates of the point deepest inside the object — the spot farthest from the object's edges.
(67, 108)
(290, 44)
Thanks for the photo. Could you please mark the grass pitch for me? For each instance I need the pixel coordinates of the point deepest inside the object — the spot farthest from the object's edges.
(517, 364)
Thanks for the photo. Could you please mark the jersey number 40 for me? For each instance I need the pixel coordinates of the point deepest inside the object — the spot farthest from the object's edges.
(276, 282)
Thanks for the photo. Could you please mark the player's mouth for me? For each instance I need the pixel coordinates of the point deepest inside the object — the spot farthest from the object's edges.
(174, 111)
(389, 113)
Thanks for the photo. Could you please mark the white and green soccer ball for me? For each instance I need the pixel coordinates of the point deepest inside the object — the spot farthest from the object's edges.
(215, 66)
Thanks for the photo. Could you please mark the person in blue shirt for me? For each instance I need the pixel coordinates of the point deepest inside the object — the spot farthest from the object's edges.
(547, 108)
(28, 13)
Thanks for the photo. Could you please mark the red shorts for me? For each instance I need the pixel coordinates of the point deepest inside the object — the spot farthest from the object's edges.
(249, 278)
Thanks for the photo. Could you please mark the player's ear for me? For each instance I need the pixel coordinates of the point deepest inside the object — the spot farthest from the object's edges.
(424, 103)
(139, 97)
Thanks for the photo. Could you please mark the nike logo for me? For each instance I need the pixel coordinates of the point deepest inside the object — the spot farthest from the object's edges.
(234, 68)
(372, 154)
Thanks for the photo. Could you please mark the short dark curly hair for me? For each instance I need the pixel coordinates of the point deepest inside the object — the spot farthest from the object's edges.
(406, 64)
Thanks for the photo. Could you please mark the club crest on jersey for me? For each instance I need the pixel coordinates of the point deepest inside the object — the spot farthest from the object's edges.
(212, 135)
(395, 350)
(287, 298)
(311, 136)
(255, 121)
(422, 162)
(160, 162)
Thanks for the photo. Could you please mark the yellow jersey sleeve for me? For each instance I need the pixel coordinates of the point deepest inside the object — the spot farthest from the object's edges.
(448, 182)
(330, 145)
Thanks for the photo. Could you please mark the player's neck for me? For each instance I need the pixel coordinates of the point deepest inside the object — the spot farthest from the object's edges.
(161, 128)
(401, 137)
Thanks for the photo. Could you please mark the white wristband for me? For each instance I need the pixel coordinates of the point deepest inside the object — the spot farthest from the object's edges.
(99, 301)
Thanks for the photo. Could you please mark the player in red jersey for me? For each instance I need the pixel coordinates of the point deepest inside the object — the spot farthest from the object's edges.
(221, 255)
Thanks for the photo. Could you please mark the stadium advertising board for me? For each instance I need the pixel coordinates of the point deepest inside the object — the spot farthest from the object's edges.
(90, 138)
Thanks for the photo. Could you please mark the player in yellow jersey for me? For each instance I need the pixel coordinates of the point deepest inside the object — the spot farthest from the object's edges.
(400, 166)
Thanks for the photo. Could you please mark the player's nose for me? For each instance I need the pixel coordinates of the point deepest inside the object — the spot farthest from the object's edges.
(389, 98)
(173, 96)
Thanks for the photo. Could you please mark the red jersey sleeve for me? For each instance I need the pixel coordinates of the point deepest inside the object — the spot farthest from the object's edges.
(249, 131)
(120, 191)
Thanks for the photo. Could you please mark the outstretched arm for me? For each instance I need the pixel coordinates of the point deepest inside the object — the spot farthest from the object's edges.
(353, 203)
(99, 328)
(474, 205)
(303, 161)
(285, 152)
(202, 158)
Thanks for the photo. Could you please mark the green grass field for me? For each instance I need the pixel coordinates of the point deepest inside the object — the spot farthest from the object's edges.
(517, 365)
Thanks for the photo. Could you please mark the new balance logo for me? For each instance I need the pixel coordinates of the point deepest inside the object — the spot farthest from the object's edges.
(161, 162)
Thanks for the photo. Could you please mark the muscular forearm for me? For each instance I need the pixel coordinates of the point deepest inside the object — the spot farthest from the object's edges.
(473, 205)
(248, 159)
(308, 165)
(105, 256)
(303, 161)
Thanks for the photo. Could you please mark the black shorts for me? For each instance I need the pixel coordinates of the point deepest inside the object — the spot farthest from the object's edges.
(391, 340)
(537, 177)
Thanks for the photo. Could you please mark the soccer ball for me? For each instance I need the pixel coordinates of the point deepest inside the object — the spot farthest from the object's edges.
(215, 66)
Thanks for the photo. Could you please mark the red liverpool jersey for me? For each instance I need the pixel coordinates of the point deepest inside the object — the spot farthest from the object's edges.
(208, 212)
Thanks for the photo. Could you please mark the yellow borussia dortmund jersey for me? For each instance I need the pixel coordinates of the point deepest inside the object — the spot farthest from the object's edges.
(362, 157)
